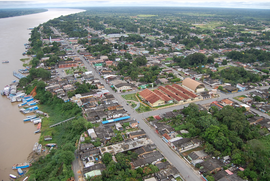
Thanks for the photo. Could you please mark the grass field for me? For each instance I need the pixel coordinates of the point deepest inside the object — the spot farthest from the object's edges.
(130, 97)
(146, 15)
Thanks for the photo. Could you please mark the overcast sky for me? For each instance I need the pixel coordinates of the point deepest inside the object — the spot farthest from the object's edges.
(259, 4)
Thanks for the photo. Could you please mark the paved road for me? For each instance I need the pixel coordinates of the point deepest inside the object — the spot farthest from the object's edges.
(185, 169)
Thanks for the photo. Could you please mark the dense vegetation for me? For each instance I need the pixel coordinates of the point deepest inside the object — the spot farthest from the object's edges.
(227, 132)
(4, 13)
(236, 75)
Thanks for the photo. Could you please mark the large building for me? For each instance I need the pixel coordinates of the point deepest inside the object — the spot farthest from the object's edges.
(152, 98)
(193, 85)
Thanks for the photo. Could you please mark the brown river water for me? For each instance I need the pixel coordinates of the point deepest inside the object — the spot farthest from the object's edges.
(16, 137)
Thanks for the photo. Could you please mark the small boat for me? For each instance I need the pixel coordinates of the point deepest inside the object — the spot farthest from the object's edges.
(39, 148)
(32, 116)
(25, 178)
(5, 61)
(37, 131)
(21, 165)
(20, 172)
(51, 144)
(22, 104)
(35, 146)
(12, 176)
(39, 126)
(26, 119)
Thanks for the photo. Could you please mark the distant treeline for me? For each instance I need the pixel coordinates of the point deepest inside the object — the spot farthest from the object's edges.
(4, 13)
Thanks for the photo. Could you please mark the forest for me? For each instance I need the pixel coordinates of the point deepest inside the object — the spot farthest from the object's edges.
(4, 13)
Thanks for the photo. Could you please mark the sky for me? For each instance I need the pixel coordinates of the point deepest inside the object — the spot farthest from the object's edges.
(254, 4)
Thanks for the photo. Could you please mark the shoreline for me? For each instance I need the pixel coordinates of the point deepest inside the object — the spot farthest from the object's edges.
(12, 125)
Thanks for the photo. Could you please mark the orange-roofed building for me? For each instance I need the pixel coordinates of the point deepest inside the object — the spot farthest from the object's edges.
(152, 98)
(226, 102)
(109, 63)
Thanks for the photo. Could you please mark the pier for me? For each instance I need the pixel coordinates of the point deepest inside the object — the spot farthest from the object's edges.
(18, 75)
(62, 122)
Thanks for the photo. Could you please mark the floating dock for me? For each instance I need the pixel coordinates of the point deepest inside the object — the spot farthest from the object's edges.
(18, 75)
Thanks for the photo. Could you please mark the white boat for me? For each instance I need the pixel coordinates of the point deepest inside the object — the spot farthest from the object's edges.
(12, 176)
(35, 146)
(39, 148)
(25, 178)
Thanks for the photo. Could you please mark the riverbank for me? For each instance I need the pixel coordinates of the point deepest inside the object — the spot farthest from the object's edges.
(17, 138)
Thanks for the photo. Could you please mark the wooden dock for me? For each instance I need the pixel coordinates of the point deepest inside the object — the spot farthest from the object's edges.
(62, 122)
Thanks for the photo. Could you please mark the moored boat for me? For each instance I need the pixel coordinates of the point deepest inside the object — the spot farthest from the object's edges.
(25, 178)
(51, 144)
(20, 172)
(37, 131)
(12, 176)
(21, 165)
(35, 146)
(39, 148)
(5, 61)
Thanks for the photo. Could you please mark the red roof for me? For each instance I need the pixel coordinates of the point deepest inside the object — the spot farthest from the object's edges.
(184, 90)
(162, 95)
(177, 92)
(157, 117)
(150, 96)
(169, 93)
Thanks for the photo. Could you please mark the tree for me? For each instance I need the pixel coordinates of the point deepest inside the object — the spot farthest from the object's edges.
(224, 62)
(106, 158)
(216, 65)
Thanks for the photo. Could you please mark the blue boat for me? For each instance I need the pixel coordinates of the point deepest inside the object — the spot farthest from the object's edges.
(31, 103)
(28, 99)
(26, 119)
(32, 117)
(20, 172)
(22, 104)
(21, 165)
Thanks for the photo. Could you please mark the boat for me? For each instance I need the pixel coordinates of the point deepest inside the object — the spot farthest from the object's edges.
(12, 176)
(35, 146)
(20, 172)
(26, 119)
(39, 126)
(39, 148)
(32, 116)
(25, 178)
(22, 104)
(51, 145)
(37, 131)
(36, 120)
(5, 61)
(21, 165)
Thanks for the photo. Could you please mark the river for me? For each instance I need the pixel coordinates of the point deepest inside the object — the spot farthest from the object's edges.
(16, 137)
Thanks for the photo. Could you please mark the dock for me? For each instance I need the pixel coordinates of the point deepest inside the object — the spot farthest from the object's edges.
(57, 124)
(18, 75)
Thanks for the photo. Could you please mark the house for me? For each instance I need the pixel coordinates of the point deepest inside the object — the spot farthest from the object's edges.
(197, 155)
(133, 124)
(146, 159)
(169, 173)
(162, 81)
(152, 98)
(265, 123)
(109, 63)
(255, 120)
(230, 89)
(118, 127)
(241, 87)
(232, 177)
(211, 165)
(122, 87)
(226, 102)
(91, 133)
